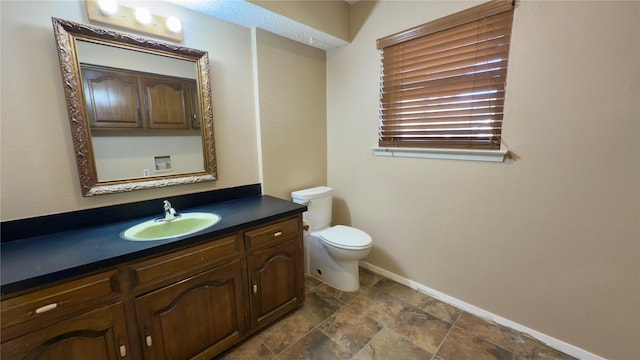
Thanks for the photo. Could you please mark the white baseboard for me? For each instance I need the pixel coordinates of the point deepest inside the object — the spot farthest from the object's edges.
(550, 341)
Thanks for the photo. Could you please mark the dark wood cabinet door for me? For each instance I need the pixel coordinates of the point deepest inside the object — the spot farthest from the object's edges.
(276, 280)
(167, 103)
(112, 98)
(195, 318)
(97, 335)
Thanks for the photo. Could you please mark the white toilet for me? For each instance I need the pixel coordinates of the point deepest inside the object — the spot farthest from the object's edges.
(330, 253)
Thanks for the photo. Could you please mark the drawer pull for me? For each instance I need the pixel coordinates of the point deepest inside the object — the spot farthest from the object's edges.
(44, 309)
(148, 339)
(278, 233)
(123, 349)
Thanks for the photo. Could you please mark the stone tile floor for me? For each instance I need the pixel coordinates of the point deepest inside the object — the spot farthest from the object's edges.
(385, 320)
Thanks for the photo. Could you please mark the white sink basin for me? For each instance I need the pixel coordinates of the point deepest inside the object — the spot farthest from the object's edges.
(185, 224)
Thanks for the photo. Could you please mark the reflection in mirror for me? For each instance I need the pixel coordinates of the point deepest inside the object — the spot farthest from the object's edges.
(112, 79)
(140, 110)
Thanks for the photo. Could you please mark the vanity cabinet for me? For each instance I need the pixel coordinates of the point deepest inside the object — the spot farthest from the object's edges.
(194, 318)
(123, 99)
(97, 335)
(276, 272)
(80, 319)
(189, 303)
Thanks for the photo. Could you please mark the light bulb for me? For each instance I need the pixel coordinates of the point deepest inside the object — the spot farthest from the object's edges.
(173, 24)
(143, 16)
(108, 7)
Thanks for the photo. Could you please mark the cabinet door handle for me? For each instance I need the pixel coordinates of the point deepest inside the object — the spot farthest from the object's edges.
(147, 339)
(45, 308)
(255, 288)
(278, 233)
(123, 349)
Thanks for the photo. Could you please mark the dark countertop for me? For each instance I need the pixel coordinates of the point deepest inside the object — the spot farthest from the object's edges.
(38, 260)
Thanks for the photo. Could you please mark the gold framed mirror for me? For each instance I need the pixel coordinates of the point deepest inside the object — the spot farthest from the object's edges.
(161, 150)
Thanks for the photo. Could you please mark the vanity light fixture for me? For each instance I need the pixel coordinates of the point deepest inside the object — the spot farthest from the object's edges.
(141, 20)
(108, 7)
(143, 16)
(173, 24)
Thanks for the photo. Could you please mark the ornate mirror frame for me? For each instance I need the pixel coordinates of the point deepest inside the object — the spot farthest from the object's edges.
(66, 34)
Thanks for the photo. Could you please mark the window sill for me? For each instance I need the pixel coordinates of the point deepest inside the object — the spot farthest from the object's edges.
(450, 154)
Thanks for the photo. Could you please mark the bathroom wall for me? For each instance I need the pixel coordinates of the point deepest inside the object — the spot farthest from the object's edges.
(38, 172)
(293, 137)
(550, 240)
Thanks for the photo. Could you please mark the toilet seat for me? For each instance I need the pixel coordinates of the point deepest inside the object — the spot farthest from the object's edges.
(345, 237)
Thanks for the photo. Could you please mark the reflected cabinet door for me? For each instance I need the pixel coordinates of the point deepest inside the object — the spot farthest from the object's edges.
(121, 99)
(96, 335)
(197, 317)
(112, 98)
(167, 102)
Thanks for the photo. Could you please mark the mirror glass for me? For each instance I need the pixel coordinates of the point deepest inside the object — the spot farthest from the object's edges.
(125, 153)
(140, 110)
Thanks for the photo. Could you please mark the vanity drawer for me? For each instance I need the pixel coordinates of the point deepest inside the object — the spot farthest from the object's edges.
(266, 235)
(183, 263)
(59, 300)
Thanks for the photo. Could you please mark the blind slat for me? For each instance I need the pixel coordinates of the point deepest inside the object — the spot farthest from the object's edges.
(488, 134)
(442, 121)
(488, 49)
(453, 94)
(451, 128)
(464, 84)
(489, 111)
(445, 102)
(467, 143)
(461, 72)
(448, 22)
(493, 22)
(448, 40)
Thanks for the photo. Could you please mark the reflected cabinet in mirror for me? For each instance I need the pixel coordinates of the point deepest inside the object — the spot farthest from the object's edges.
(140, 110)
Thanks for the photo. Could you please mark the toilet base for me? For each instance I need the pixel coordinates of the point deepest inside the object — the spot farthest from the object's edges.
(342, 275)
(341, 280)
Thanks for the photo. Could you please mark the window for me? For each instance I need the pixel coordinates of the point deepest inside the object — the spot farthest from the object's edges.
(443, 83)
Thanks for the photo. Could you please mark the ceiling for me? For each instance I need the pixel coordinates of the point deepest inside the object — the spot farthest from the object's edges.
(249, 15)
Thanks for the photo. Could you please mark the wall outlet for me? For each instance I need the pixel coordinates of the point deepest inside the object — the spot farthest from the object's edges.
(145, 172)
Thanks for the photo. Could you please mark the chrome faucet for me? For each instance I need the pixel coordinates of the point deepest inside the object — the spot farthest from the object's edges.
(169, 212)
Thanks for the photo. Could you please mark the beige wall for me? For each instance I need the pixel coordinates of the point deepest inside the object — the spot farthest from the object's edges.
(126, 157)
(328, 16)
(293, 137)
(551, 240)
(38, 174)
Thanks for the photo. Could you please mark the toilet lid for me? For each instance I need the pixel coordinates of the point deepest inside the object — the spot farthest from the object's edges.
(345, 237)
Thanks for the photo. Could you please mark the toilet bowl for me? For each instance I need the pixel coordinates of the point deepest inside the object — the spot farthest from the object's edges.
(331, 252)
(345, 242)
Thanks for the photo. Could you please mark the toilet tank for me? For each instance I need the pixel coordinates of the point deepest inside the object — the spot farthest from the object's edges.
(318, 201)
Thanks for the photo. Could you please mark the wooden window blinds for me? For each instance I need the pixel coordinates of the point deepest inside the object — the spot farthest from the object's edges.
(443, 83)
